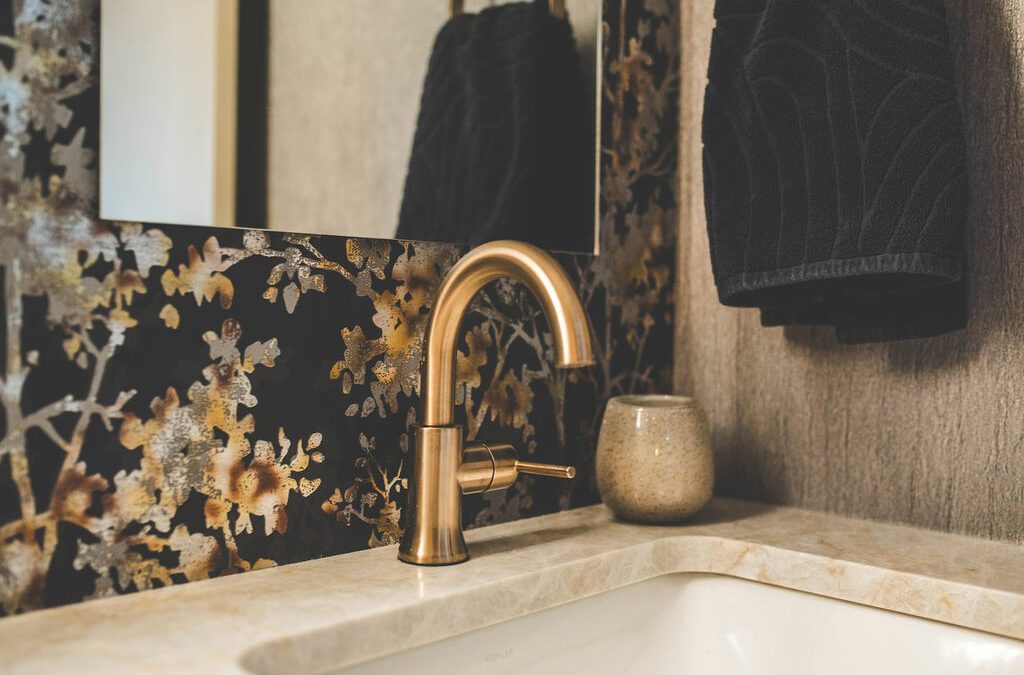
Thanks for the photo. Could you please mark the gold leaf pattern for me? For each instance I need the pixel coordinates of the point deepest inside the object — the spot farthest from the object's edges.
(170, 316)
(202, 276)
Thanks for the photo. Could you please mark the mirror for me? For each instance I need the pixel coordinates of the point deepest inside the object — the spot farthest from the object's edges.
(413, 119)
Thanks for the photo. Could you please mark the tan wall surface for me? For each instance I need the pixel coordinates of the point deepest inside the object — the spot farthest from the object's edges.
(928, 432)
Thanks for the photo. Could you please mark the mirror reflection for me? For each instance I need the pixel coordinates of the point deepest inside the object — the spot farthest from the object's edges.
(413, 119)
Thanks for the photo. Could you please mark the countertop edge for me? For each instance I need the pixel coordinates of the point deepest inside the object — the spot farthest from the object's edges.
(346, 609)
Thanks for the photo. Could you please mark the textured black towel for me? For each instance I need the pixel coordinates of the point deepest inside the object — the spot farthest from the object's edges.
(504, 141)
(834, 166)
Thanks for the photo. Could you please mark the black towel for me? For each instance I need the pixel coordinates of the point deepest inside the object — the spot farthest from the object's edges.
(834, 166)
(504, 144)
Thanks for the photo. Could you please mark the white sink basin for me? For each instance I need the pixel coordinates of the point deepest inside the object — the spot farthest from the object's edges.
(698, 623)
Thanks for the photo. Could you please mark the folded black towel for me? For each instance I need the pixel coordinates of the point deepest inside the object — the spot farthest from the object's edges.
(834, 166)
(504, 141)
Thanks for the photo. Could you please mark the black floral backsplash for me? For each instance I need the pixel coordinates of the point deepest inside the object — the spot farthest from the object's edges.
(180, 403)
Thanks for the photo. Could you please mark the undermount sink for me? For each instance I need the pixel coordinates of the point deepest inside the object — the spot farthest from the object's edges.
(702, 623)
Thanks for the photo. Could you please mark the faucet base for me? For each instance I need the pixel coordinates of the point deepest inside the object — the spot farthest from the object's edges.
(432, 561)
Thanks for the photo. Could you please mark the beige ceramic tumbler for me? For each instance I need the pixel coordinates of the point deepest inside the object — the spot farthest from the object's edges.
(654, 460)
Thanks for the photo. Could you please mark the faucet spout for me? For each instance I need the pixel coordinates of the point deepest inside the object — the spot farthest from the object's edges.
(528, 265)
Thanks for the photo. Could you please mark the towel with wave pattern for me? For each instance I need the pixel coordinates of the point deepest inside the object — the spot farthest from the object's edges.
(835, 169)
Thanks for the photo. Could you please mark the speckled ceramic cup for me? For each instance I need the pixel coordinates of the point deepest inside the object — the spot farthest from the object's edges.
(654, 460)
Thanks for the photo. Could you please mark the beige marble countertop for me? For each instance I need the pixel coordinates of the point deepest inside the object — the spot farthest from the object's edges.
(345, 609)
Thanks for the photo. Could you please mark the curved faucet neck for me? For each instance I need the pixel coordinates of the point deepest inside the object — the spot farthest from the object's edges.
(525, 263)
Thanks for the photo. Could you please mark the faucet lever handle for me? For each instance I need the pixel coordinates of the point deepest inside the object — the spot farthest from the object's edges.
(487, 467)
(553, 470)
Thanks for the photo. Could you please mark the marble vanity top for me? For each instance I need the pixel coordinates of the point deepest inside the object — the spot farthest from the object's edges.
(349, 608)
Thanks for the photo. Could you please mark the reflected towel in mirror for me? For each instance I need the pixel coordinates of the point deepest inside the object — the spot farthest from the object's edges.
(504, 144)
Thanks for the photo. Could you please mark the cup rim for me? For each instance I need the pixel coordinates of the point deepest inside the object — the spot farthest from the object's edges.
(653, 401)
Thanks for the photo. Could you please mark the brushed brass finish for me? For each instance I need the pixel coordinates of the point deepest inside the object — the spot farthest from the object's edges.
(495, 467)
(505, 472)
(442, 471)
(528, 265)
(552, 470)
(555, 7)
(433, 535)
(476, 473)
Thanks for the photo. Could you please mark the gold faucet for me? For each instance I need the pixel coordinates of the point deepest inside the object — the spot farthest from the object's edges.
(442, 470)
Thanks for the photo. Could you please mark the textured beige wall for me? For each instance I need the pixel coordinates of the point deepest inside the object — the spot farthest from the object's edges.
(345, 80)
(927, 432)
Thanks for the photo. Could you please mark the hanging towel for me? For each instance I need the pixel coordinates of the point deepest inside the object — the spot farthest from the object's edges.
(504, 143)
(834, 166)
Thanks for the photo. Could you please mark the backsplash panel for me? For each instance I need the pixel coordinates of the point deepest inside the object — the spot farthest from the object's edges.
(181, 403)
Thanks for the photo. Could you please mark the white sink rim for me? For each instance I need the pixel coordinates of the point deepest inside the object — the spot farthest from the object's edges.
(708, 623)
